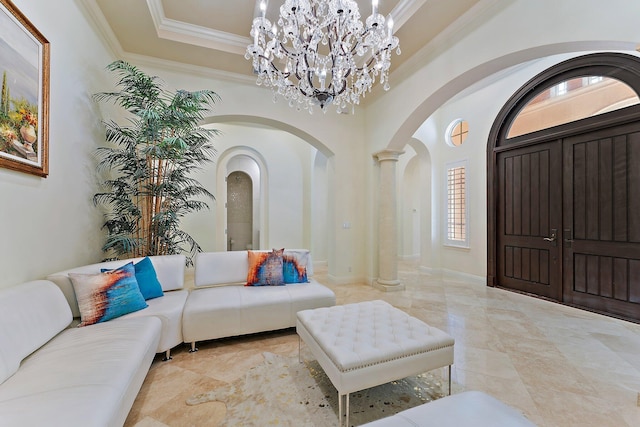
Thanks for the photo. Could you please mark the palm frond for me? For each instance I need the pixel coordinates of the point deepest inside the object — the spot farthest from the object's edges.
(148, 164)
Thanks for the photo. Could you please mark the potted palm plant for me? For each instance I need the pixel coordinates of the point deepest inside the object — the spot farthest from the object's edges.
(146, 186)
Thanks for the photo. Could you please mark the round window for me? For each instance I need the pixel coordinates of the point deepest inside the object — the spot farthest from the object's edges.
(457, 132)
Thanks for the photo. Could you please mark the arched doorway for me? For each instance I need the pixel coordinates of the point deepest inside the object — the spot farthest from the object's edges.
(239, 212)
(563, 212)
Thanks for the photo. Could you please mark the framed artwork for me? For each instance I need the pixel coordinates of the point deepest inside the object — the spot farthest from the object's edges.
(24, 100)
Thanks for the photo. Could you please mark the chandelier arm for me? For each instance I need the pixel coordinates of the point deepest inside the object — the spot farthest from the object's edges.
(306, 62)
(302, 91)
(368, 63)
(310, 78)
(270, 63)
(289, 55)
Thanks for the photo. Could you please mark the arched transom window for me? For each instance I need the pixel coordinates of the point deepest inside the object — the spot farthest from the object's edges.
(572, 100)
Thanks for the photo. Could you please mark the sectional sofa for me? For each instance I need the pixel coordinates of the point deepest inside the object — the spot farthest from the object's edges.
(170, 271)
(54, 373)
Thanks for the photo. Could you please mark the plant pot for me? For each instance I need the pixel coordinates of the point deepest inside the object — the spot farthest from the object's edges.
(29, 136)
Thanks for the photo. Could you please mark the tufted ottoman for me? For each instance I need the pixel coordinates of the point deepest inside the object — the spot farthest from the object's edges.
(366, 344)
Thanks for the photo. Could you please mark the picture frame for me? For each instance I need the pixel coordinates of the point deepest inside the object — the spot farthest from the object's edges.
(24, 94)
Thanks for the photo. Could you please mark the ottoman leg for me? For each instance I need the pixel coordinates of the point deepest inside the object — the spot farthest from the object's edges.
(449, 380)
(347, 410)
(342, 397)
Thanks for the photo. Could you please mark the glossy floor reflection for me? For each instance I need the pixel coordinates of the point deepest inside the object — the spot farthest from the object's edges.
(560, 366)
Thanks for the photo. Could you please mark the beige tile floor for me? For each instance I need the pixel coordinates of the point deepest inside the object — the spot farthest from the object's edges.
(560, 366)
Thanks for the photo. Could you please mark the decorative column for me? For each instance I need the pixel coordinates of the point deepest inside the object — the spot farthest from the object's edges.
(388, 223)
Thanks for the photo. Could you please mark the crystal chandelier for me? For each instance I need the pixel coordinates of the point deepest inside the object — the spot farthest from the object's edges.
(320, 52)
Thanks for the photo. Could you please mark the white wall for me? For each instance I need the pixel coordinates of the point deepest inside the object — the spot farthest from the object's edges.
(50, 224)
(319, 208)
(409, 199)
(470, 59)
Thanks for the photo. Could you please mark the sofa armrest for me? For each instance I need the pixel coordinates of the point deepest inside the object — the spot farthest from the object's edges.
(30, 315)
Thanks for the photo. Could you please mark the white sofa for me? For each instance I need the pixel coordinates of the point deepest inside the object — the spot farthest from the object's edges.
(170, 270)
(466, 409)
(54, 375)
(221, 306)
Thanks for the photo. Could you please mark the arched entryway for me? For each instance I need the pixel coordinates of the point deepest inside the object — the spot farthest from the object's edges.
(239, 211)
(563, 206)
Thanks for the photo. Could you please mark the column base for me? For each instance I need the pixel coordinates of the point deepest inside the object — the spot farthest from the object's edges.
(388, 285)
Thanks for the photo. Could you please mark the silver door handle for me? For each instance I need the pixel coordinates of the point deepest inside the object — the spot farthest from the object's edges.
(554, 236)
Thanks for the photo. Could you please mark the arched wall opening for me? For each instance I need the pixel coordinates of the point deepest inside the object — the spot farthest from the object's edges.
(292, 187)
(271, 123)
(240, 227)
(251, 163)
(414, 210)
(409, 212)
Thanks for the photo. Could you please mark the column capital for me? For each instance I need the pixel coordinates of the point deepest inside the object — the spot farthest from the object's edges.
(383, 155)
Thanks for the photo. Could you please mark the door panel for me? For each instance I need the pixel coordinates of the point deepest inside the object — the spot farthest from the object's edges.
(529, 210)
(601, 257)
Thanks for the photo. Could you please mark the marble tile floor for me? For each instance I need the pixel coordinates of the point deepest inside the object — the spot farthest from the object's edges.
(560, 366)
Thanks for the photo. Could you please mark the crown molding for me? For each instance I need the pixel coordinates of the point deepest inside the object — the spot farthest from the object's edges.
(189, 69)
(441, 42)
(93, 12)
(404, 10)
(178, 31)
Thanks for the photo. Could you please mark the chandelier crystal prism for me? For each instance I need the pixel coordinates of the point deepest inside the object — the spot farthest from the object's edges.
(320, 53)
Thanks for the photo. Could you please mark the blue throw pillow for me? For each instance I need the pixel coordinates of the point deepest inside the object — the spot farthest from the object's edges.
(105, 296)
(147, 279)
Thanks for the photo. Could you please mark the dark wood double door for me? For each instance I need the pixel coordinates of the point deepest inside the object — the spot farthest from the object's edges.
(568, 217)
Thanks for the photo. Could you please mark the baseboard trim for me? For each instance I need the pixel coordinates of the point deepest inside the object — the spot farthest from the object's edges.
(345, 280)
(453, 275)
(457, 275)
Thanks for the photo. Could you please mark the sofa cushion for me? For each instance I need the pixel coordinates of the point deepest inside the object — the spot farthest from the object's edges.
(265, 268)
(217, 268)
(294, 266)
(105, 296)
(84, 376)
(225, 311)
(169, 310)
(30, 315)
